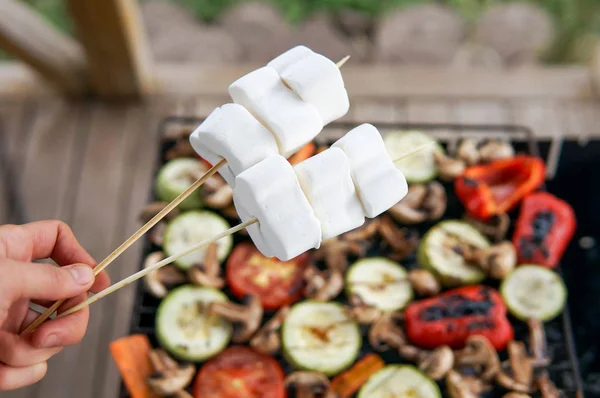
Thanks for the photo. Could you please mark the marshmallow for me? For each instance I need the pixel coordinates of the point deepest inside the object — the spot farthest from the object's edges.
(316, 79)
(293, 122)
(287, 225)
(326, 181)
(232, 133)
(379, 184)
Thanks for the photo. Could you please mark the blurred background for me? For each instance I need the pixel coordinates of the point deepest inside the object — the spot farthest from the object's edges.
(85, 86)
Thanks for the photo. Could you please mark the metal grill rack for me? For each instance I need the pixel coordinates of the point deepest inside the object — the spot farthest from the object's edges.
(564, 369)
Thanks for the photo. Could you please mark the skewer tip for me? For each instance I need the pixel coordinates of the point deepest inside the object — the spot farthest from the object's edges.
(342, 61)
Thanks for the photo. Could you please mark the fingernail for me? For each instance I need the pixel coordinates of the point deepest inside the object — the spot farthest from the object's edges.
(50, 342)
(82, 274)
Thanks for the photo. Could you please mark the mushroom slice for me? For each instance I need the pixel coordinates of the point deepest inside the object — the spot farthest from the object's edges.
(157, 282)
(520, 363)
(266, 339)
(335, 252)
(436, 200)
(407, 215)
(221, 198)
(169, 377)
(546, 387)
(480, 353)
(156, 233)
(506, 381)
(385, 333)
(401, 240)
(516, 395)
(423, 282)
(468, 152)
(537, 343)
(457, 386)
(207, 274)
(323, 285)
(367, 231)
(181, 149)
(309, 384)
(498, 260)
(495, 228)
(246, 318)
(152, 209)
(448, 168)
(495, 150)
(362, 312)
(437, 363)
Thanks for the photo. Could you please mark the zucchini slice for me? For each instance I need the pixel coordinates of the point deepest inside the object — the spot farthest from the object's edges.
(184, 328)
(190, 228)
(320, 336)
(380, 282)
(532, 291)
(419, 167)
(399, 381)
(176, 176)
(435, 253)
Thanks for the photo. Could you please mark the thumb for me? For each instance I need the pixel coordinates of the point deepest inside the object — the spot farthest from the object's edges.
(46, 282)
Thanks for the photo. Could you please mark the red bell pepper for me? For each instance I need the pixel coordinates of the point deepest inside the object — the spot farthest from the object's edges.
(450, 318)
(545, 226)
(497, 187)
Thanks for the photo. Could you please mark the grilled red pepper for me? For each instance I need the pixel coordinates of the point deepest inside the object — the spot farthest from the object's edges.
(545, 226)
(450, 318)
(497, 187)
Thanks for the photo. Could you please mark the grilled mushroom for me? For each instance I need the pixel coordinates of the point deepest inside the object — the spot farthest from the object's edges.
(516, 395)
(362, 312)
(182, 394)
(323, 285)
(435, 201)
(479, 353)
(385, 333)
(546, 387)
(468, 152)
(181, 149)
(495, 150)
(266, 340)
(157, 232)
(169, 377)
(221, 198)
(309, 384)
(498, 260)
(537, 343)
(495, 228)
(157, 282)
(152, 209)
(423, 282)
(457, 387)
(421, 203)
(448, 168)
(207, 274)
(402, 241)
(367, 231)
(335, 252)
(520, 363)
(437, 363)
(246, 318)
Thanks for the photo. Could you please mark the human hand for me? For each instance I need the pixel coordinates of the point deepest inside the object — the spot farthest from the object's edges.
(23, 358)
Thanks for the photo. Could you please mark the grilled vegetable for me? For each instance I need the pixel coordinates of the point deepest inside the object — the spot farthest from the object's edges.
(497, 187)
(399, 381)
(349, 382)
(175, 177)
(439, 252)
(379, 282)
(532, 291)
(132, 356)
(545, 227)
(185, 327)
(190, 228)
(320, 336)
(450, 318)
(419, 167)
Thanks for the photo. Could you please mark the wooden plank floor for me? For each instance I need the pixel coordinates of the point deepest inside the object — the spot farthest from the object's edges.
(90, 164)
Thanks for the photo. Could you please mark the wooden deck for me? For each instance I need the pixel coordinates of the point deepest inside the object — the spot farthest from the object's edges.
(90, 164)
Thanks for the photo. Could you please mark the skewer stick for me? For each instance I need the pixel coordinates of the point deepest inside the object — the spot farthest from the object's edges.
(139, 233)
(171, 259)
(133, 238)
(154, 267)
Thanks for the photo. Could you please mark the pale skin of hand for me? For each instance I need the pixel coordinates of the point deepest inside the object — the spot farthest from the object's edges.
(23, 359)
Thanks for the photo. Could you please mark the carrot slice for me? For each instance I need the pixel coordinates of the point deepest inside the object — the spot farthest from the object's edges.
(131, 354)
(303, 153)
(349, 382)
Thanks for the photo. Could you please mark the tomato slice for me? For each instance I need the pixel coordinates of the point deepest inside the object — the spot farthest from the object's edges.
(276, 282)
(240, 372)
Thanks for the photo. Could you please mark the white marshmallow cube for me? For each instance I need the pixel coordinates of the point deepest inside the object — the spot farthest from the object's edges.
(270, 192)
(379, 184)
(316, 79)
(232, 133)
(326, 181)
(293, 121)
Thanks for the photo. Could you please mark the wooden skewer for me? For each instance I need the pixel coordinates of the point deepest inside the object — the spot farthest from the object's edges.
(145, 228)
(171, 259)
(154, 267)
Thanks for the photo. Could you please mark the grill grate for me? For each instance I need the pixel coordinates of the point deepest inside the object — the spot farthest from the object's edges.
(564, 369)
